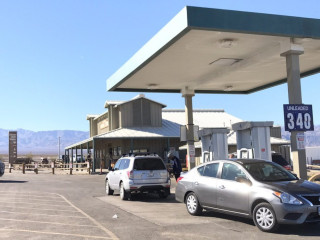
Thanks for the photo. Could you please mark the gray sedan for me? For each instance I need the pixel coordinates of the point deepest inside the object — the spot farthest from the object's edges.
(257, 189)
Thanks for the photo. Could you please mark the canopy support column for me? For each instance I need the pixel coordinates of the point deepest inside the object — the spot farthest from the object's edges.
(71, 159)
(76, 155)
(188, 94)
(81, 152)
(292, 52)
(93, 156)
(131, 145)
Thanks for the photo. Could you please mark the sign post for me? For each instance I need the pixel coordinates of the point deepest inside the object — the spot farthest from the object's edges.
(13, 146)
(298, 119)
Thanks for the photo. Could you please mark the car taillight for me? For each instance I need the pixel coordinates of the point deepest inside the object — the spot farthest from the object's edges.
(179, 178)
(288, 167)
(130, 174)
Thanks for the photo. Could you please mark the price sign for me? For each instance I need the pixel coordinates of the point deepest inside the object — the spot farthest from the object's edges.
(298, 117)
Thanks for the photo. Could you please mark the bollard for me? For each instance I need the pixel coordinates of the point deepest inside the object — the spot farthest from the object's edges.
(36, 168)
(70, 166)
(10, 167)
(88, 166)
(23, 168)
(52, 166)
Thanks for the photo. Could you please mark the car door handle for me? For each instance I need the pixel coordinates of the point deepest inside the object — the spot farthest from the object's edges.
(196, 183)
(222, 187)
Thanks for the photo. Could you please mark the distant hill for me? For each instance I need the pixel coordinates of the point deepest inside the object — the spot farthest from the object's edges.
(47, 141)
(42, 141)
(312, 139)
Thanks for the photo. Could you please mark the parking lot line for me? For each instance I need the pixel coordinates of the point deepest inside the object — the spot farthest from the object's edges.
(53, 205)
(56, 202)
(48, 195)
(54, 233)
(43, 209)
(111, 234)
(43, 214)
(33, 199)
(42, 222)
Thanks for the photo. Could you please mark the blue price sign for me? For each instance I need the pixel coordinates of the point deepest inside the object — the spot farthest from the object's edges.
(298, 117)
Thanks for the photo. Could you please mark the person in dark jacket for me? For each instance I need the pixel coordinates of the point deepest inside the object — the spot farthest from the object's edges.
(176, 165)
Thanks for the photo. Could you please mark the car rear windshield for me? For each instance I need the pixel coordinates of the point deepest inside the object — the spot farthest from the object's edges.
(148, 164)
(268, 172)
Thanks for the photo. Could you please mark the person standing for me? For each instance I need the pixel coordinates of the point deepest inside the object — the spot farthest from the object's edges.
(176, 165)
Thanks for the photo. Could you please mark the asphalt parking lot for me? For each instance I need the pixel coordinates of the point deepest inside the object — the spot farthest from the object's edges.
(36, 215)
(76, 207)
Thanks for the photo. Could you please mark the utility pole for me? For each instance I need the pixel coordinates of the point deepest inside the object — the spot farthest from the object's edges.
(59, 148)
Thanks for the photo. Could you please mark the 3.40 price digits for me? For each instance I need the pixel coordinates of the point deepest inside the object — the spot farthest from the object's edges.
(299, 120)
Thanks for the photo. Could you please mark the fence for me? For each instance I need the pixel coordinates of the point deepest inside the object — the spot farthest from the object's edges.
(60, 168)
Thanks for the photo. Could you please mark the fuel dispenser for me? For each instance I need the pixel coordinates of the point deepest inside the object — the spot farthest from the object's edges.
(214, 143)
(253, 139)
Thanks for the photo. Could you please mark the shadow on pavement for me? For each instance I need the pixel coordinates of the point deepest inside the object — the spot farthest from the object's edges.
(299, 230)
(228, 217)
(12, 181)
(152, 198)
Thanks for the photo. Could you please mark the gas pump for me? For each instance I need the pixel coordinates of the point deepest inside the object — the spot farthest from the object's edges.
(253, 139)
(214, 144)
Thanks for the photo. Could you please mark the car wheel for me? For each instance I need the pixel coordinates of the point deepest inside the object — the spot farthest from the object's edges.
(165, 193)
(109, 191)
(264, 217)
(193, 205)
(123, 193)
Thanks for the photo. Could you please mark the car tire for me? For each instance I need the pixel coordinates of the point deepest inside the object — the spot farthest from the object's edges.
(165, 193)
(264, 217)
(109, 191)
(123, 194)
(193, 205)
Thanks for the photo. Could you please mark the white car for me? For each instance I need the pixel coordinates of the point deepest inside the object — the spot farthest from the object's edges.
(138, 174)
(2, 167)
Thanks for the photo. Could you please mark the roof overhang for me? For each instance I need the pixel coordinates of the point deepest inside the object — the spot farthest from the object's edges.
(80, 144)
(219, 51)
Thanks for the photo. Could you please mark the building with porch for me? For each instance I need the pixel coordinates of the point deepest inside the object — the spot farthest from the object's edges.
(143, 125)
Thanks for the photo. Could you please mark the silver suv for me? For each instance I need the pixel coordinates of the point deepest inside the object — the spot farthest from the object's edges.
(138, 174)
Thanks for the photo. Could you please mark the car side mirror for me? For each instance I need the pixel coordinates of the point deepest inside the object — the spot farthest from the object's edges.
(243, 180)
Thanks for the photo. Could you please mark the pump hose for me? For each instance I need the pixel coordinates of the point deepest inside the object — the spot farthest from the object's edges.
(315, 177)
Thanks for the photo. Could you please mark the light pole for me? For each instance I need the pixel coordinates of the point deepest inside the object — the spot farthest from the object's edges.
(59, 147)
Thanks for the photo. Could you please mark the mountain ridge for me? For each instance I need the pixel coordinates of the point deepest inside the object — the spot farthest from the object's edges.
(47, 141)
(42, 141)
(312, 138)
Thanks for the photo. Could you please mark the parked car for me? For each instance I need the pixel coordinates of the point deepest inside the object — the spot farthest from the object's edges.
(44, 160)
(277, 158)
(2, 168)
(257, 189)
(138, 174)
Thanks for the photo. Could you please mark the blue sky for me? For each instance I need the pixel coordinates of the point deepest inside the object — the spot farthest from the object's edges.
(55, 57)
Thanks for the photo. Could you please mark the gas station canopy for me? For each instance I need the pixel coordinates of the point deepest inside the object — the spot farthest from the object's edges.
(220, 51)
